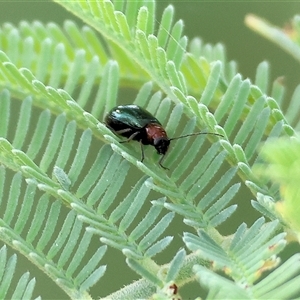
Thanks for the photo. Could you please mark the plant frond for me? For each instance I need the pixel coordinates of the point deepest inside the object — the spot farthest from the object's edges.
(141, 243)
(219, 287)
(34, 229)
(278, 92)
(58, 100)
(282, 156)
(102, 181)
(32, 45)
(100, 186)
(280, 284)
(285, 39)
(111, 234)
(48, 67)
(175, 265)
(265, 205)
(262, 77)
(198, 214)
(170, 274)
(250, 253)
(262, 80)
(293, 109)
(130, 35)
(24, 288)
(230, 107)
(276, 35)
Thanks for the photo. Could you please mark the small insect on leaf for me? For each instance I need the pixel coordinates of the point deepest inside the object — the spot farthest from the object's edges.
(136, 123)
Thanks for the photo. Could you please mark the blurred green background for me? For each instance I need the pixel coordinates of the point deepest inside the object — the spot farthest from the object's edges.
(214, 22)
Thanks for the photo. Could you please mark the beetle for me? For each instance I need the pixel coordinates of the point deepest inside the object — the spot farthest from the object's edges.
(136, 123)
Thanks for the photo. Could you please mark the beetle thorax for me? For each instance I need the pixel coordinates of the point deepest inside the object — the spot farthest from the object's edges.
(157, 137)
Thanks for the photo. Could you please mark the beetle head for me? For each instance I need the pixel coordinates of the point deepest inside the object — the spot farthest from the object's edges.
(161, 144)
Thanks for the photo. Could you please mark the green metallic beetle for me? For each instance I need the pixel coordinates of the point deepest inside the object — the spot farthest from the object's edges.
(135, 123)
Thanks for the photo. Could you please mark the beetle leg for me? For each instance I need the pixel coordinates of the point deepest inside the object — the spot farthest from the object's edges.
(130, 138)
(160, 163)
(142, 149)
(122, 131)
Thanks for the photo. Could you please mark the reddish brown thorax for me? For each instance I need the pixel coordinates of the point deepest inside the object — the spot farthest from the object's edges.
(154, 132)
(157, 136)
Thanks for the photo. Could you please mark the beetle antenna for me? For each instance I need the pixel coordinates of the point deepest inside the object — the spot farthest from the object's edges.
(170, 35)
(196, 133)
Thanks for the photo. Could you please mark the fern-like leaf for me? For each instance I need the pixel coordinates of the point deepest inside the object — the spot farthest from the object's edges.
(24, 287)
(66, 79)
(280, 284)
(35, 227)
(242, 262)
